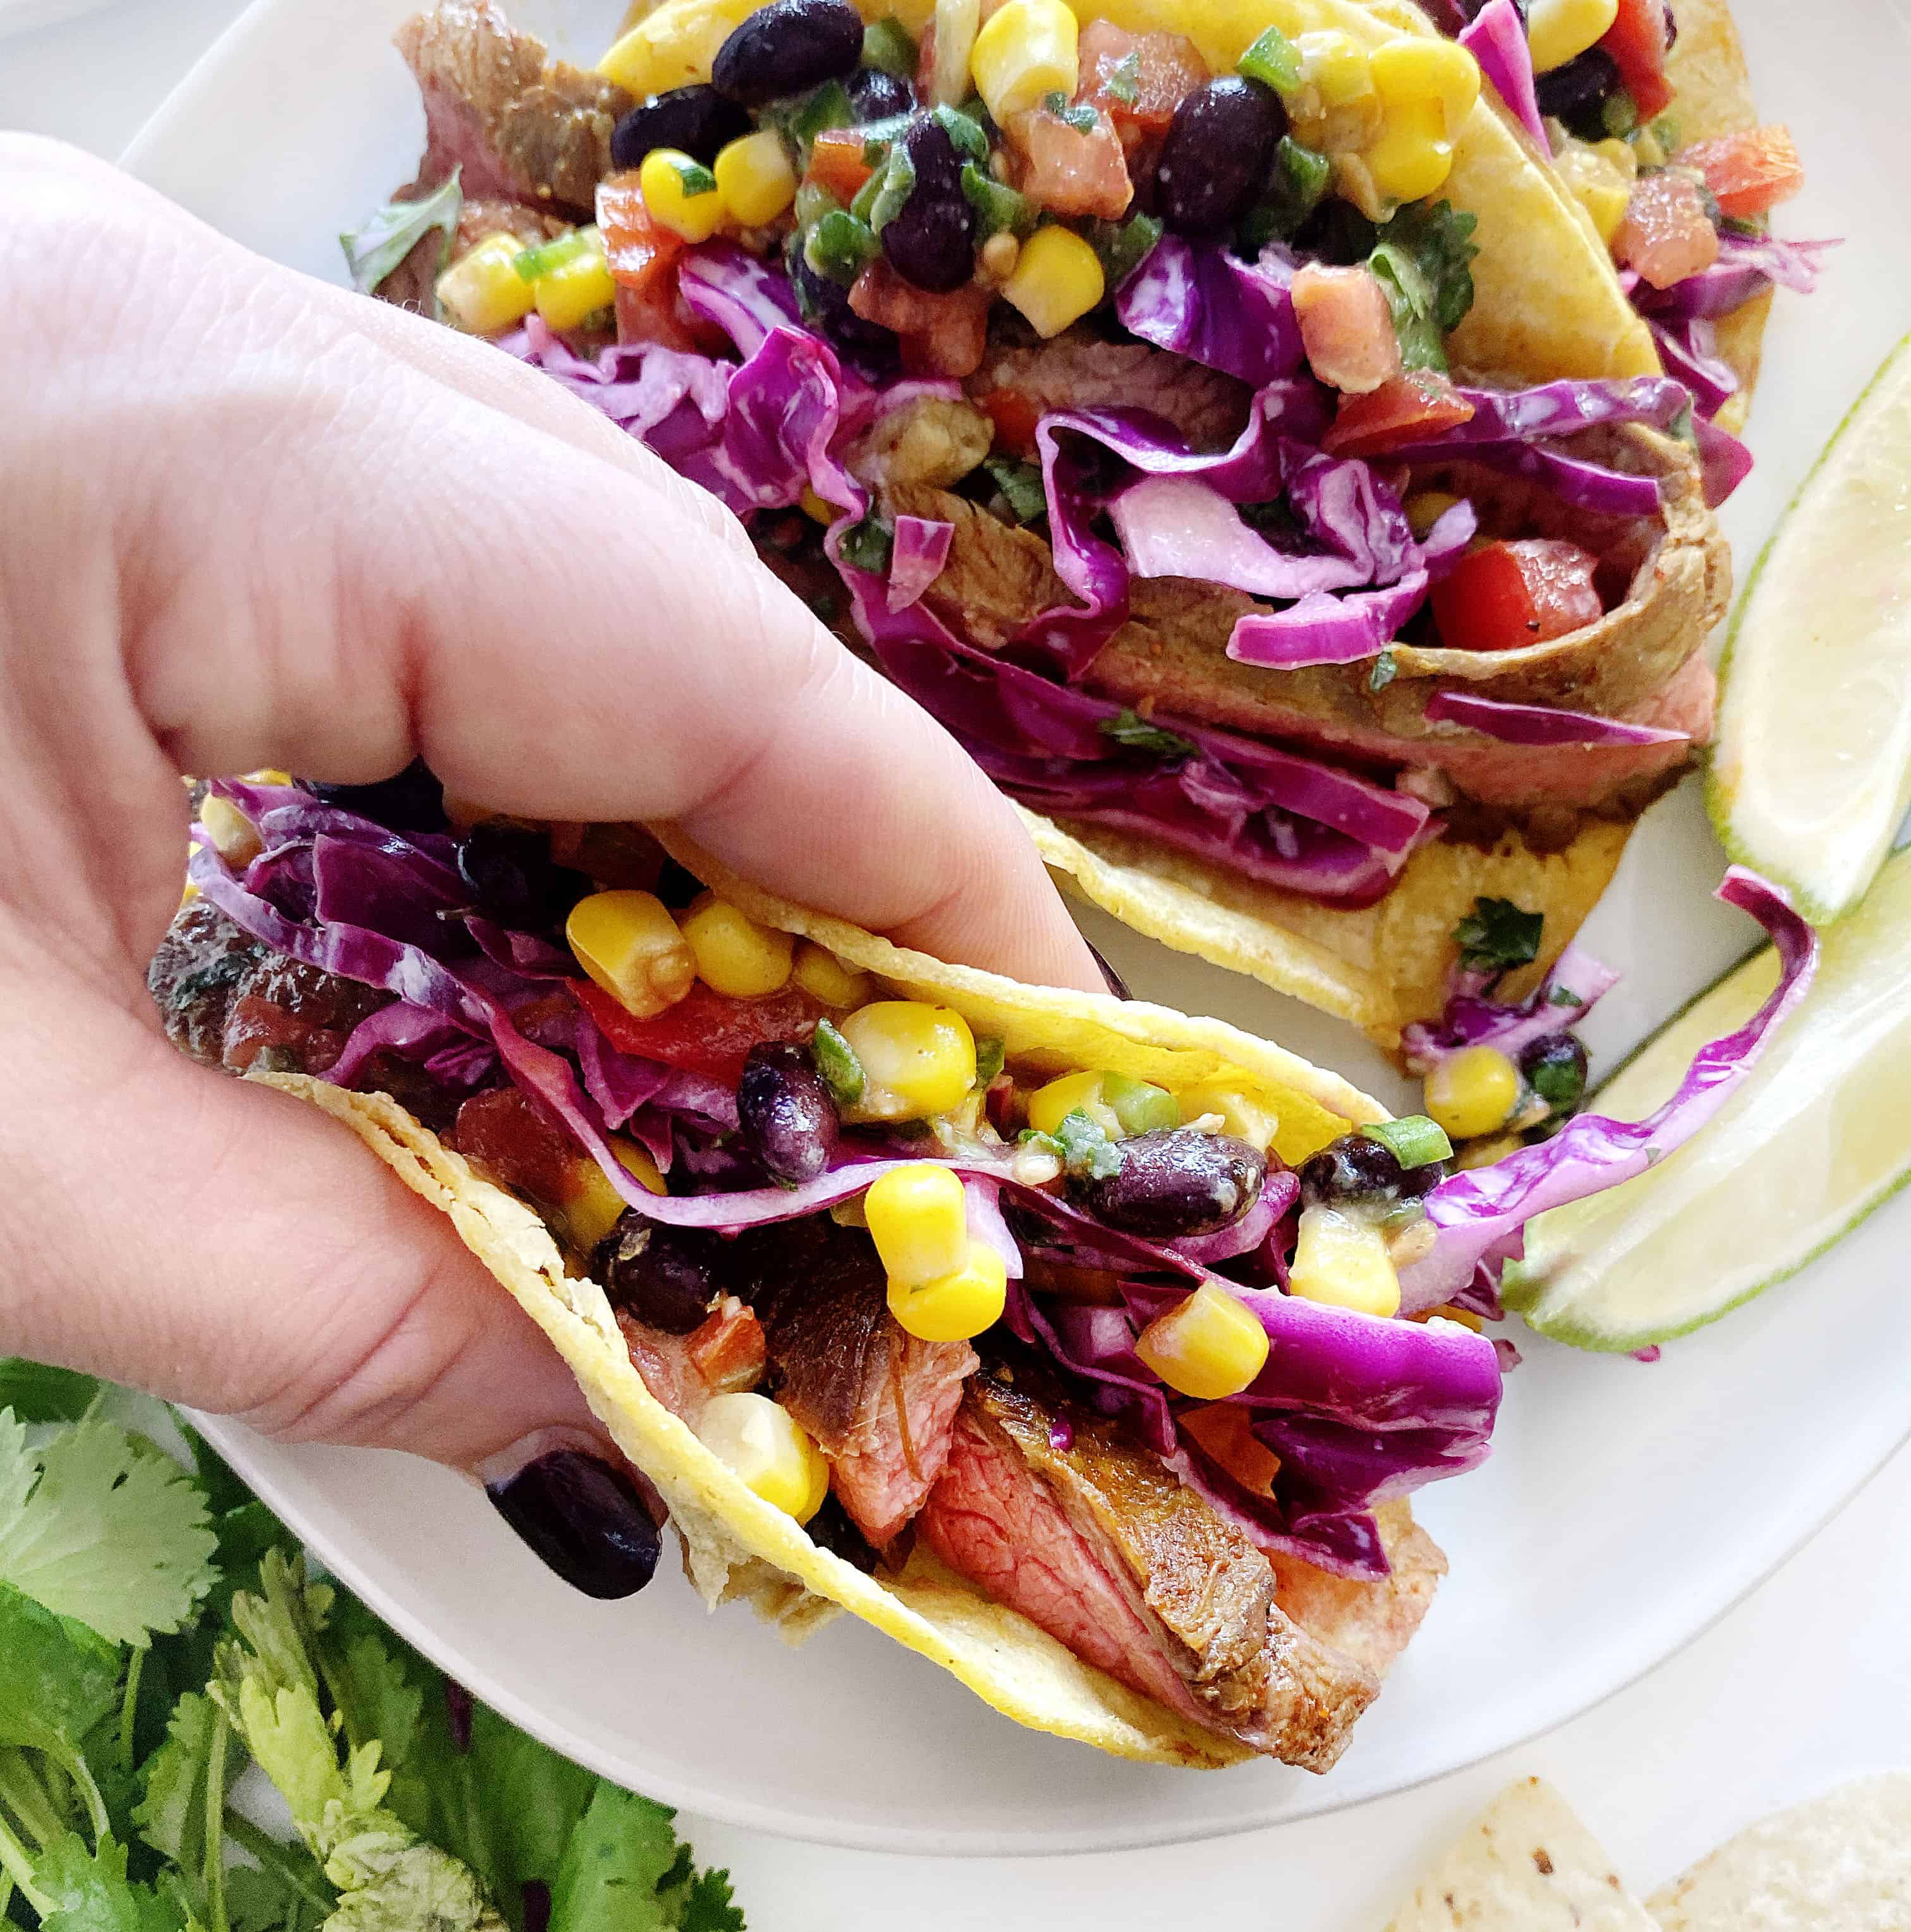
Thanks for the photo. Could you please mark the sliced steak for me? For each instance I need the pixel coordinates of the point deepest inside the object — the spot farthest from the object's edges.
(1078, 371)
(201, 964)
(523, 126)
(880, 1404)
(1097, 1543)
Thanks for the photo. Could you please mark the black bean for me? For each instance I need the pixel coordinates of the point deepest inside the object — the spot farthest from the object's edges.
(1555, 1070)
(788, 1119)
(698, 120)
(661, 1275)
(1354, 1168)
(586, 1520)
(411, 800)
(1575, 92)
(1219, 147)
(931, 240)
(824, 306)
(514, 878)
(876, 94)
(788, 47)
(1175, 1181)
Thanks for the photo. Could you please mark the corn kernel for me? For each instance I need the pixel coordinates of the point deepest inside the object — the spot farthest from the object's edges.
(631, 946)
(1247, 1119)
(822, 975)
(1210, 1346)
(594, 1206)
(575, 288)
(187, 893)
(1336, 66)
(763, 1444)
(918, 1218)
(817, 509)
(734, 954)
(1344, 1262)
(1558, 31)
(234, 836)
(1422, 69)
(1425, 509)
(956, 23)
(1074, 1093)
(482, 293)
(1057, 280)
(1473, 1092)
(675, 46)
(1026, 51)
(1413, 157)
(756, 178)
(956, 1306)
(917, 1060)
(268, 775)
(680, 194)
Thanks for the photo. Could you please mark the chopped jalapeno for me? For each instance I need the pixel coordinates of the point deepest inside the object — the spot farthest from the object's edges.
(1296, 187)
(840, 247)
(1414, 1141)
(899, 180)
(1122, 246)
(530, 263)
(828, 106)
(887, 45)
(836, 1064)
(1140, 1108)
(970, 141)
(1274, 60)
(814, 201)
(999, 209)
(1021, 485)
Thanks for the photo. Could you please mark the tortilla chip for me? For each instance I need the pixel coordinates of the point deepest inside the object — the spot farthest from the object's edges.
(1841, 1861)
(1379, 968)
(735, 1544)
(1525, 1864)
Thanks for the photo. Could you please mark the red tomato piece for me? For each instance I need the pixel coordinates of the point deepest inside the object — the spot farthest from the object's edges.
(1346, 328)
(1637, 41)
(1070, 170)
(836, 162)
(1666, 234)
(1404, 411)
(1225, 1431)
(505, 1134)
(1504, 595)
(1167, 68)
(942, 335)
(1016, 415)
(705, 1032)
(644, 262)
(1749, 172)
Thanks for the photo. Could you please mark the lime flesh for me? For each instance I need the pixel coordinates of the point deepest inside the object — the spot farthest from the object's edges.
(1811, 773)
(1817, 1137)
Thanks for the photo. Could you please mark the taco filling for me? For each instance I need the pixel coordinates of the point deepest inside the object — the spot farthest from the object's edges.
(1141, 1327)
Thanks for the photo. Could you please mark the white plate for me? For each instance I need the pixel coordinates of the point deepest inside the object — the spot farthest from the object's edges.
(1627, 1506)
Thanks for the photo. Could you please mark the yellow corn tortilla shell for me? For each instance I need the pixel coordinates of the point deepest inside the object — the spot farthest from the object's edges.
(1525, 1864)
(1840, 1861)
(737, 1546)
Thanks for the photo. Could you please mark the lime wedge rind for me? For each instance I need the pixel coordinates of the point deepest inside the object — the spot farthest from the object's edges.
(1817, 1139)
(1745, 791)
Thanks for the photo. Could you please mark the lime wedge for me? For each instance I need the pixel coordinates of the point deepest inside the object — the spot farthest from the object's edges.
(1811, 774)
(1818, 1136)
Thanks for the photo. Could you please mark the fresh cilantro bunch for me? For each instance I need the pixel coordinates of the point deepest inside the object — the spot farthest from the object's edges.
(159, 1635)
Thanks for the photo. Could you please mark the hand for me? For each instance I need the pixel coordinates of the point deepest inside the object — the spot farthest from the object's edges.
(253, 521)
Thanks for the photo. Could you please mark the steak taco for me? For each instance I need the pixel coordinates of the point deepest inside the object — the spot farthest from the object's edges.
(892, 1276)
(1231, 423)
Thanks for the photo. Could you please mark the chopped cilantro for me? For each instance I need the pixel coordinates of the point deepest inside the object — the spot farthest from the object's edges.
(868, 545)
(1087, 1152)
(1498, 935)
(1129, 728)
(969, 142)
(1563, 996)
(1422, 259)
(1081, 118)
(1124, 80)
(1386, 668)
(1021, 485)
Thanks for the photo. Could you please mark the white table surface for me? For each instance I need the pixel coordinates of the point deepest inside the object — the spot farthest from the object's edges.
(1806, 1683)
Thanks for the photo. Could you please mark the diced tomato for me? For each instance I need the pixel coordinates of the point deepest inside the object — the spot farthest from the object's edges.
(836, 162)
(1404, 411)
(504, 1132)
(643, 263)
(1167, 68)
(1346, 328)
(705, 1032)
(1666, 234)
(729, 1349)
(1637, 41)
(942, 335)
(1016, 414)
(1749, 172)
(1504, 595)
(1070, 170)
(1225, 1431)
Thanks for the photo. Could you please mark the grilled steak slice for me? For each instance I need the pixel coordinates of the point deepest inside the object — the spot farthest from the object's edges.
(523, 126)
(880, 1403)
(201, 964)
(1097, 1543)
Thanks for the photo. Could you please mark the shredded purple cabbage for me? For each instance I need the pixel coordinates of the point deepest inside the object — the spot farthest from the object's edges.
(1200, 300)
(1540, 724)
(1496, 38)
(921, 549)
(1577, 982)
(1747, 267)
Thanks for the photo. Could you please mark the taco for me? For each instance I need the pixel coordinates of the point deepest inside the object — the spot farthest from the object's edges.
(1088, 1350)
(1229, 421)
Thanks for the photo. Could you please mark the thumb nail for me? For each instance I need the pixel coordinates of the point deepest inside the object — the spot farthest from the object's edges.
(597, 1526)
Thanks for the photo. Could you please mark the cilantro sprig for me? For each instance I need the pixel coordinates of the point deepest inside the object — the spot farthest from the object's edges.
(1497, 936)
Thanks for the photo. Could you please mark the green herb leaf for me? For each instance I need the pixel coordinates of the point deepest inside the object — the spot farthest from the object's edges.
(1021, 485)
(1273, 60)
(1423, 261)
(837, 1064)
(36, 1393)
(171, 1816)
(1129, 728)
(1415, 1140)
(707, 1906)
(1081, 118)
(990, 1056)
(899, 179)
(887, 45)
(1563, 996)
(376, 246)
(1386, 668)
(1122, 246)
(1497, 936)
(868, 545)
(1124, 80)
(90, 1892)
(1087, 1151)
(58, 1678)
(1033, 1137)
(840, 246)
(970, 142)
(391, 1880)
(112, 1533)
(623, 1850)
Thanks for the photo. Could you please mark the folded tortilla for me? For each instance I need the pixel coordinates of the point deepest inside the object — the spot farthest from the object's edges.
(737, 1546)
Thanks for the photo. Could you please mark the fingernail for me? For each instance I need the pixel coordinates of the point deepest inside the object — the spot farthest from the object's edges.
(588, 1521)
(1117, 985)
